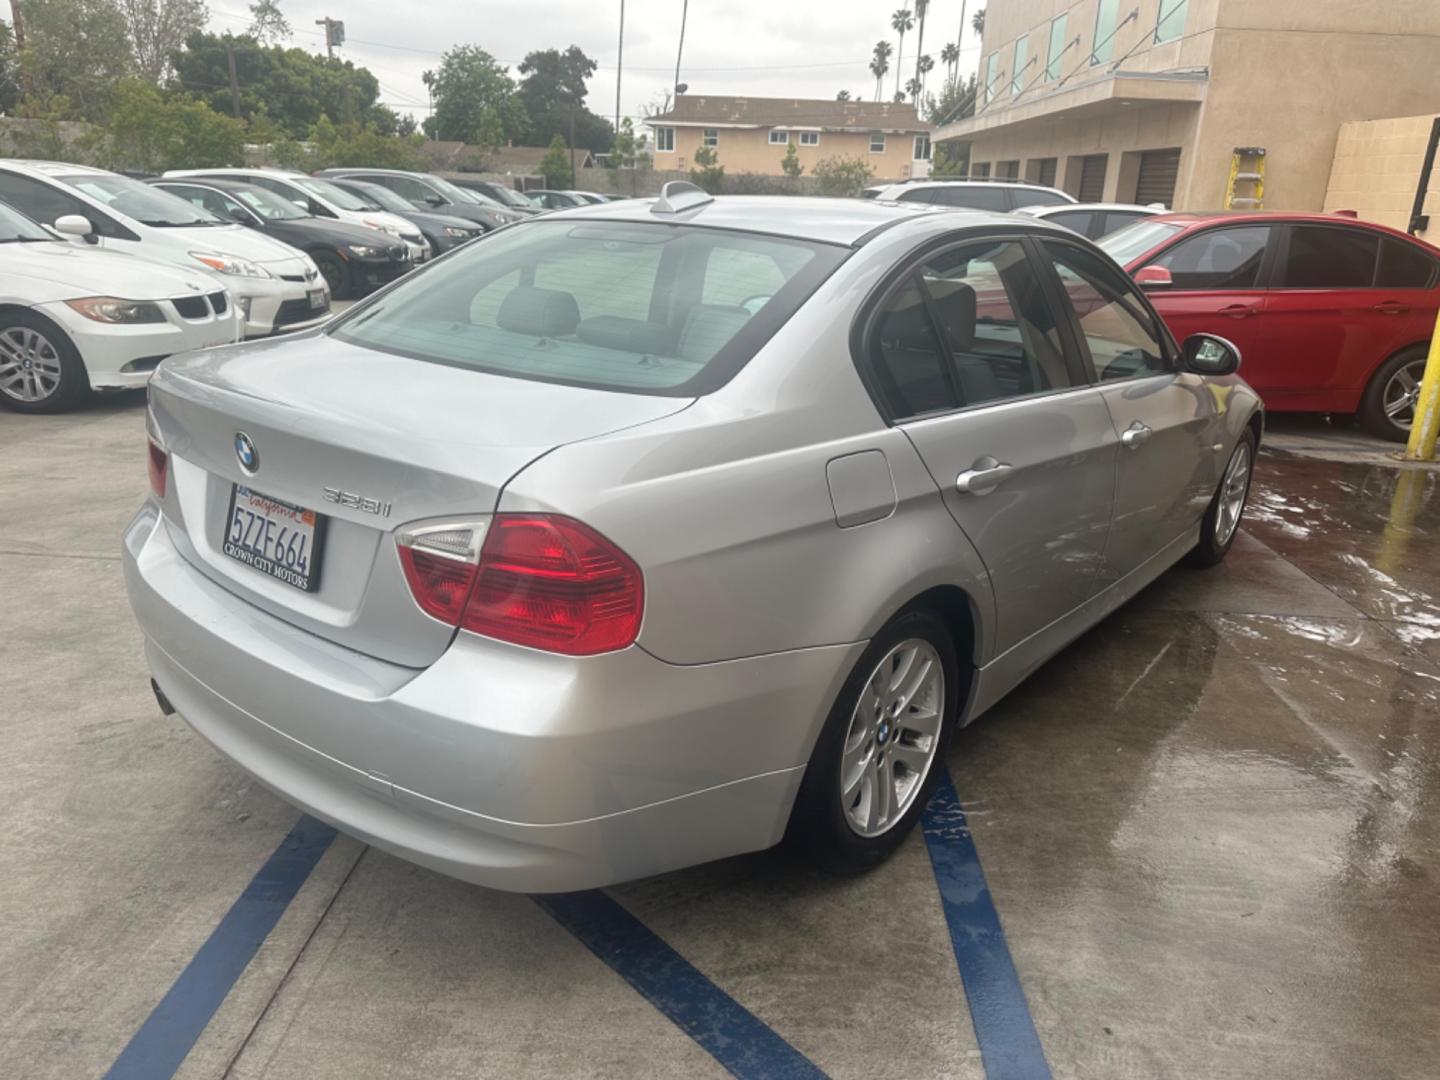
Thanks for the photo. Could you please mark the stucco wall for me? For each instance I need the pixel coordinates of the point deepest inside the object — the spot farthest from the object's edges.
(749, 150)
(1377, 169)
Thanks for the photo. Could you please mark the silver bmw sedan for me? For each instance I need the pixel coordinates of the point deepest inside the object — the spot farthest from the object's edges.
(647, 533)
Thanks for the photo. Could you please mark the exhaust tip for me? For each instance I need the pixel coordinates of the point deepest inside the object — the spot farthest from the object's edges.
(161, 699)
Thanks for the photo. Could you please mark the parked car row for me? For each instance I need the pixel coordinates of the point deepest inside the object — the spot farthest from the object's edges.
(1332, 314)
(228, 254)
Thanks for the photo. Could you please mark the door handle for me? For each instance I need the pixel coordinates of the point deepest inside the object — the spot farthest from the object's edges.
(1239, 311)
(1391, 307)
(983, 477)
(1135, 436)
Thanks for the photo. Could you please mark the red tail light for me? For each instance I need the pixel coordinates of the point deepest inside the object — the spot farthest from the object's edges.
(159, 466)
(542, 580)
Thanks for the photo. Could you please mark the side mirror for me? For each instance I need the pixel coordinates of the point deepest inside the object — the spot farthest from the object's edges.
(1152, 278)
(77, 225)
(1206, 354)
(434, 200)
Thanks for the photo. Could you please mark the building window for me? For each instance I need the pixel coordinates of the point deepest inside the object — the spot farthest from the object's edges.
(809, 138)
(1008, 170)
(1104, 47)
(1057, 48)
(992, 72)
(779, 138)
(1170, 22)
(1022, 49)
(980, 171)
(710, 137)
(877, 142)
(665, 140)
(922, 147)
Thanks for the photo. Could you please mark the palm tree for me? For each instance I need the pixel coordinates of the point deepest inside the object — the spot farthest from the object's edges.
(925, 65)
(912, 87)
(901, 22)
(978, 22)
(950, 56)
(880, 64)
(920, 8)
(843, 95)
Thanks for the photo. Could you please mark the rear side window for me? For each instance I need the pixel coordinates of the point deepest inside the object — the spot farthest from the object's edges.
(646, 308)
(1076, 220)
(1404, 266)
(1218, 258)
(1326, 258)
(1032, 197)
(973, 198)
(972, 326)
(923, 195)
(1115, 220)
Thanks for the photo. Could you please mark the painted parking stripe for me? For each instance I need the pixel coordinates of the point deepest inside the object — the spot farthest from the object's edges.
(158, 1048)
(1009, 1044)
(723, 1027)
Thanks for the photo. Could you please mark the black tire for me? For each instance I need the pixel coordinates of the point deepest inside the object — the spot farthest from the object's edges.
(819, 825)
(1215, 541)
(336, 274)
(74, 385)
(1372, 414)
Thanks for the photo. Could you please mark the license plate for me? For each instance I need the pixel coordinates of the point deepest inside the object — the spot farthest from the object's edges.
(274, 537)
(317, 299)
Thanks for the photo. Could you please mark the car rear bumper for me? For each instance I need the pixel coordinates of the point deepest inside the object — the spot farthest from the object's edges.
(498, 765)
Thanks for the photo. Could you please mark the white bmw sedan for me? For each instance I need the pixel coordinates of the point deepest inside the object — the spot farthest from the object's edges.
(76, 319)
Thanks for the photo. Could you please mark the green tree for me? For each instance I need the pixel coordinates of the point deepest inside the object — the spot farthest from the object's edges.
(629, 162)
(790, 163)
(475, 100)
(978, 22)
(158, 28)
(708, 173)
(359, 145)
(268, 24)
(843, 177)
(555, 165)
(901, 22)
(151, 131)
(880, 63)
(553, 92)
(76, 52)
(9, 70)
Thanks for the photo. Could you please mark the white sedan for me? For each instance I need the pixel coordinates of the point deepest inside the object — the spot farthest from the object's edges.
(1093, 220)
(76, 319)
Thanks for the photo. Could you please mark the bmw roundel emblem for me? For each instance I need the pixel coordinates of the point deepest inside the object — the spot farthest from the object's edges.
(246, 453)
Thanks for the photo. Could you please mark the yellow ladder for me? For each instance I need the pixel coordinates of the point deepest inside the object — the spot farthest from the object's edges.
(1247, 173)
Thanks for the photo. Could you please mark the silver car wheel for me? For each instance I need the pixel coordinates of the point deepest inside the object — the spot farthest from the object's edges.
(29, 364)
(893, 735)
(1402, 394)
(1232, 495)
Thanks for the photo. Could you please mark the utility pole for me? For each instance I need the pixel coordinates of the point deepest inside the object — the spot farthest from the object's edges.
(334, 34)
(572, 147)
(18, 25)
(680, 49)
(234, 82)
(619, 65)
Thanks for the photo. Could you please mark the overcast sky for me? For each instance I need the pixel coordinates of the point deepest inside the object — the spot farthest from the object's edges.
(765, 48)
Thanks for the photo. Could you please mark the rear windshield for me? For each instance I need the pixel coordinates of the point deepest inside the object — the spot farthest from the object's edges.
(646, 308)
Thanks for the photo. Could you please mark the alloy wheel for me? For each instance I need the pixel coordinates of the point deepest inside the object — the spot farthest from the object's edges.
(1232, 494)
(1402, 394)
(893, 735)
(29, 364)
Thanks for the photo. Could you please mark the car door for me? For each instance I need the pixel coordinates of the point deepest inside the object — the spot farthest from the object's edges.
(1167, 421)
(1337, 321)
(1219, 277)
(967, 352)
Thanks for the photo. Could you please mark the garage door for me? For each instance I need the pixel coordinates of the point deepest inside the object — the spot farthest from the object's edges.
(1092, 178)
(1158, 172)
(1045, 172)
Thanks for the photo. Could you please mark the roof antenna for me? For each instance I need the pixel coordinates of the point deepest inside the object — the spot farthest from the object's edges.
(680, 195)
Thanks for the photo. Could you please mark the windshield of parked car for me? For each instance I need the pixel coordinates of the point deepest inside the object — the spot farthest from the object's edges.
(458, 194)
(16, 228)
(382, 197)
(268, 205)
(639, 307)
(336, 196)
(146, 204)
(1134, 240)
(500, 193)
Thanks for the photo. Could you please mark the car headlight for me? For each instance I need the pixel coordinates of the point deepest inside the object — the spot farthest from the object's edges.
(457, 233)
(366, 251)
(109, 309)
(229, 264)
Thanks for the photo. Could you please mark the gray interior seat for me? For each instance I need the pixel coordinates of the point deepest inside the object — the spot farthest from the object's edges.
(628, 335)
(542, 312)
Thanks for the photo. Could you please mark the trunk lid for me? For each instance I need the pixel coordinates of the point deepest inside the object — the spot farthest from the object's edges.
(416, 439)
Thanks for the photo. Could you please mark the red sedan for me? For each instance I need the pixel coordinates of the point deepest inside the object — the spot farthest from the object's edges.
(1331, 314)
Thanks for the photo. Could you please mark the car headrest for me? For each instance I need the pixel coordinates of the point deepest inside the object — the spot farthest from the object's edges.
(955, 307)
(630, 335)
(708, 328)
(542, 312)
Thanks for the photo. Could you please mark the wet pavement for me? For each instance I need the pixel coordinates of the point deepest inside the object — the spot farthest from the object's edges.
(1210, 827)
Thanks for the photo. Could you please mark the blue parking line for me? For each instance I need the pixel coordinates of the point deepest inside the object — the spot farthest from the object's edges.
(729, 1032)
(158, 1048)
(1009, 1044)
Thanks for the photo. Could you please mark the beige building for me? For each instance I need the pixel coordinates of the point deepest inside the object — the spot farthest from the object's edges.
(1378, 171)
(1146, 100)
(753, 134)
